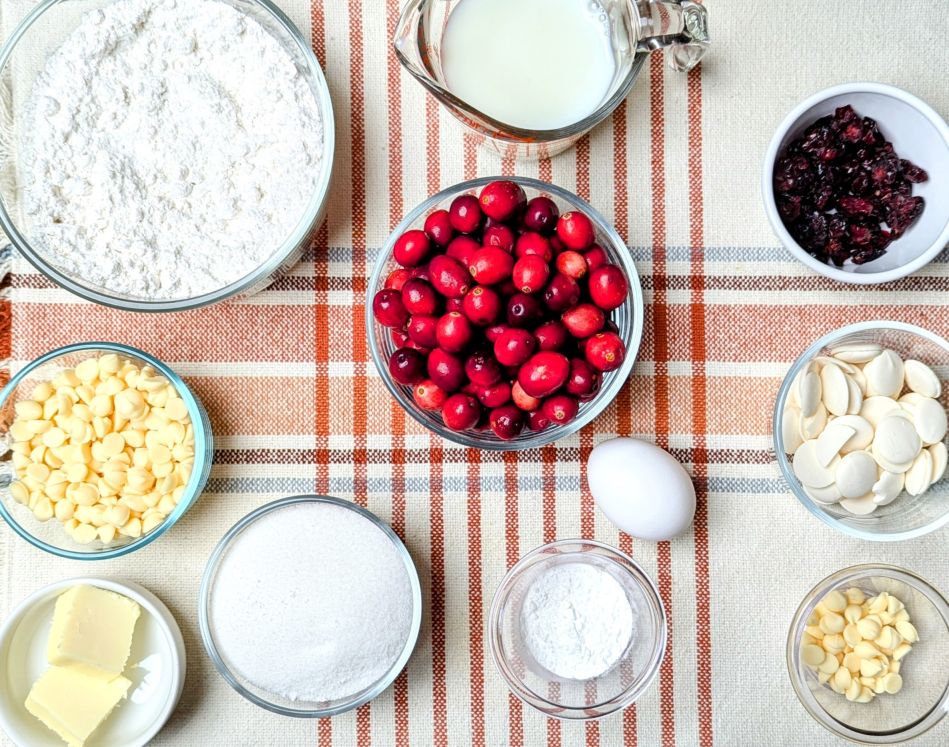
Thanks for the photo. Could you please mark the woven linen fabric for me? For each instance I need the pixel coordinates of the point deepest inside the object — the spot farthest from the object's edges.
(297, 406)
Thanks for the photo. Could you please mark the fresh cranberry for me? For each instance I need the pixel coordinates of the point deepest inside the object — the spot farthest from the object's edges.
(572, 264)
(541, 215)
(561, 408)
(446, 370)
(491, 265)
(407, 366)
(537, 421)
(482, 369)
(506, 421)
(605, 351)
(523, 400)
(556, 244)
(455, 304)
(399, 337)
(397, 279)
(493, 332)
(448, 276)
(482, 306)
(420, 272)
(419, 297)
(502, 200)
(544, 373)
(514, 346)
(494, 395)
(575, 230)
(561, 293)
(530, 273)
(608, 287)
(551, 335)
(388, 309)
(595, 257)
(411, 248)
(500, 236)
(463, 249)
(524, 310)
(428, 395)
(421, 330)
(583, 380)
(438, 227)
(583, 320)
(454, 332)
(461, 412)
(465, 214)
(533, 243)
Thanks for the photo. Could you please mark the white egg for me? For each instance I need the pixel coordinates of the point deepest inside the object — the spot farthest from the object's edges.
(641, 488)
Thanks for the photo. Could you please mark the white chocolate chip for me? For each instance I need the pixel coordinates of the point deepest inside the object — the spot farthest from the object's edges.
(875, 408)
(831, 441)
(809, 390)
(855, 396)
(856, 474)
(884, 375)
(856, 352)
(930, 420)
(813, 656)
(861, 506)
(919, 476)
(834, 390)
(940, 457)
(790, 429)
(887, 488)
(922, 379)
(808, 468)
(896, 440)
(827, 496)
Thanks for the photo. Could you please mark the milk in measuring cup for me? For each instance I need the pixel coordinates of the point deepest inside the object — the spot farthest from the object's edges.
(532, 64)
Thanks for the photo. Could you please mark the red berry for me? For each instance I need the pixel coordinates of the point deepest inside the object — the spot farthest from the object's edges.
(583, 381)
(533, 243)
(438, 227)
(494, 395)
(482, 369)
(605, 351)
(397, 278)
(608, 287)
(399, 337)
(419, 272)
(502, 200)
(428, 395)
(446, 370)
(421, 330)
(465, 214)
(388, 308)
(491, 265)
(448, 276)
(575, 230)
(561, 408)
(595, 257)
(461, 412)
(541, 215)
(537, 420)
(523, 400)
(493, 332)
(500, 236)
(454, 332)
(482, 306)
(583, 320)
(530, 273)
(506, 421)
(514, 346)
(463, 249)
(411, 248)
(572, 264)
(455, 304)
(544, 373)
(561, 293)
(419, 297)
(407, 366)
(524, 310)
(551, 335)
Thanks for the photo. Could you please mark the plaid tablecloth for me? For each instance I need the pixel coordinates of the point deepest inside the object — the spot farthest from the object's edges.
(297, 406)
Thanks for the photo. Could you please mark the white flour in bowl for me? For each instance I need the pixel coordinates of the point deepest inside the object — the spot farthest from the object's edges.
(167, 149)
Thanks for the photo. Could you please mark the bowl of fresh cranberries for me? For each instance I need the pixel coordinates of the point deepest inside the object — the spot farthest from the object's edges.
(504, 313)
(856, 183)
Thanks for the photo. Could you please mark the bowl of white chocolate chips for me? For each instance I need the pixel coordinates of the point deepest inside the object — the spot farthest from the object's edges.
(860, 430)
(105, 449)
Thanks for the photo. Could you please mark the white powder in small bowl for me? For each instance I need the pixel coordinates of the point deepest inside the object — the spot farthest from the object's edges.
(311, 602)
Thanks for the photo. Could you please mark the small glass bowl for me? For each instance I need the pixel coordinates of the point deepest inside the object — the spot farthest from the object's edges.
(924, 699)
(908, 516)
(578, 699)
(628, 318)
(50, 535)
(271, 701)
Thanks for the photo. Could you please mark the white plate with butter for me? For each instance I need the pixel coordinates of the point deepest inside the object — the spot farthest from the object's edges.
(156, 668)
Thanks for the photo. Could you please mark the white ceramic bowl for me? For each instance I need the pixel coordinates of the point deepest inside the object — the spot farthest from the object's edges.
(157, 681)
(918, 134)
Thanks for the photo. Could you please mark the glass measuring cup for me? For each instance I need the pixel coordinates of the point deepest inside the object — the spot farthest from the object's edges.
(636, 28)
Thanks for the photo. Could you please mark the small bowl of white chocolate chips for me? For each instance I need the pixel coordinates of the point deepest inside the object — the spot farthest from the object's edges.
(860, 430)
(868, 654)
(104, 449)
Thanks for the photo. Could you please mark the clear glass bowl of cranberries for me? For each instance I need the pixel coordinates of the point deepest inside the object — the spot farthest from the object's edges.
(504, 313)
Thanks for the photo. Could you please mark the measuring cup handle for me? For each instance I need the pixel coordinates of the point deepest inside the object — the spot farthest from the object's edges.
(679, 27)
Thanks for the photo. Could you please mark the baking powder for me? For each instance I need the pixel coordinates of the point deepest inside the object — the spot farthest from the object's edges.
(167, 149)
(576, 620)
(311, 602)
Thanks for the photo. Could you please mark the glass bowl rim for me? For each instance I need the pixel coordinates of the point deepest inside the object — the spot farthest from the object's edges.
(631, 568)
(204, 600)
(203, 449)
(604, 397)
(311, 217)
(780, 454)
(811, 598)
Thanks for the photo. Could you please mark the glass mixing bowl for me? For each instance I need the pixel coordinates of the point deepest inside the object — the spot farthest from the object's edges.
(578, 699)
(924, 699)
(907, 516)
(50, 535)
(23, 56)
(628, 318)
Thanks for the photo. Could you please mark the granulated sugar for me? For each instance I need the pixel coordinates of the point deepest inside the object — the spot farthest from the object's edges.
(167, 149)
(311, 602)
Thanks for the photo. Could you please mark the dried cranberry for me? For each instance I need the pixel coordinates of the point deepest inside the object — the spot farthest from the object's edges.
(900, 212)
(912, 172)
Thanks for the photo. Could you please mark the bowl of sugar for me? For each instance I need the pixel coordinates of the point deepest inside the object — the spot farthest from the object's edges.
(310, 606)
